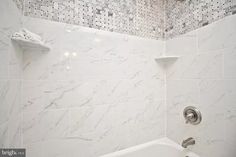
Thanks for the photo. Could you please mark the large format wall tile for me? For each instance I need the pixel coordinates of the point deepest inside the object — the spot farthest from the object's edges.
(180, 93)
(42, 95)
(3, 60)
(218, 35)
(209, 97)
(91, 88)
(3, 135)
(10, 76)
(213, 110)
(97, 92)
(45, 125)
(182, 45)
(230, 117)
(5, 95)
(10, 56)
(92, 55)
(229, 63)
(10, 112)
(197, 66)
(205, 80)
(66, 147)
(15, 131)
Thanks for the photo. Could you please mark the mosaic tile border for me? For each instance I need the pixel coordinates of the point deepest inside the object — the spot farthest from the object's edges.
(19, 4)
(155, 19)
(135, 17)
(184, 16)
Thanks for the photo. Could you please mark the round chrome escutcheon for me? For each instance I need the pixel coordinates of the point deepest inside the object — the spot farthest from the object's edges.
(192, 115)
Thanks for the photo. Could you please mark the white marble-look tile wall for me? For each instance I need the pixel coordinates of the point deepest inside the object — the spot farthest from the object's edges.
(10, 76)
(95, 92)
(204, 76)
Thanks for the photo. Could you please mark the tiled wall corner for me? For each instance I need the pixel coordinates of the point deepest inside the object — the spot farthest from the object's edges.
(204, 76)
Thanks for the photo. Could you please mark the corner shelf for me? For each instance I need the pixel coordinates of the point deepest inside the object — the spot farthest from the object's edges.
(28, 40)
(166, 58)
(166, 61)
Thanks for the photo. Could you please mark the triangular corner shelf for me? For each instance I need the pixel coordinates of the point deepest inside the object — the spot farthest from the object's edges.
(165, 61)
(28, 40)
(166, 58)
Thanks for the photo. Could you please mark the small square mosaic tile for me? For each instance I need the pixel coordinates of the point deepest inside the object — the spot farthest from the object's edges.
(19, 4)
(186, 15)
(135, 17)
(156, 19)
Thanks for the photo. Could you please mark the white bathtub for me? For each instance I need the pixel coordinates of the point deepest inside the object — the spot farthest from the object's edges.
(160, 148)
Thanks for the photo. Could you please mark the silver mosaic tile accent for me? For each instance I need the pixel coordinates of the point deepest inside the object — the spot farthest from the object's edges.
(19, 4)
(135, 17)
(156, 19)
(186, 15)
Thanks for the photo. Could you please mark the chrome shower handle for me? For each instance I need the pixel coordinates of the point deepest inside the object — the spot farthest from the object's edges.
(192, 115)
(189, 117)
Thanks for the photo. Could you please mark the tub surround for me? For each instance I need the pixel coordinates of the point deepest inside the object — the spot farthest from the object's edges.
(81, 97)
(204, 76)
(95, 92)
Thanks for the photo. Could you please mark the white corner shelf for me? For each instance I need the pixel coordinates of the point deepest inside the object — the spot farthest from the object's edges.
(28, 40)
(166, 58)
(166, 61)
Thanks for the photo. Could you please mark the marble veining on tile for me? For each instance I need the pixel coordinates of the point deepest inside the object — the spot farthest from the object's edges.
(10, 76)
(98, 92)
(204, 77)
(84, 94)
